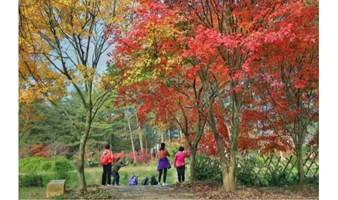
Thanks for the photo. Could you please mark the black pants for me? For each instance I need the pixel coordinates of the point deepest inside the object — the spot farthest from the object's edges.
(164, 171)
(116, 178)
(106, 175)
(180, 173)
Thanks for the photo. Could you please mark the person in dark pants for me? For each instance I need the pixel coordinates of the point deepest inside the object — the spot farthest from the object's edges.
(106, 175)
(106, 160)
(180, 173)
(116, 178)
(163, 164)
(164, 172)
(179, 163)
(115, 170)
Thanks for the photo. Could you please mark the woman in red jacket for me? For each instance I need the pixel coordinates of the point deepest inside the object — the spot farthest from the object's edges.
(106, 160)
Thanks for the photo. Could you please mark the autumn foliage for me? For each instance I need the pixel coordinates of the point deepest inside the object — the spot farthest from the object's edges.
(244, 73)
(233, 76)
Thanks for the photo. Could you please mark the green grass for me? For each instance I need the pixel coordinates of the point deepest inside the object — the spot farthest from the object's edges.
(32, 193)
(94, 175)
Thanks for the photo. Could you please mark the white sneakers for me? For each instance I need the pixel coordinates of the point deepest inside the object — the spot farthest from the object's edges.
(164, 184)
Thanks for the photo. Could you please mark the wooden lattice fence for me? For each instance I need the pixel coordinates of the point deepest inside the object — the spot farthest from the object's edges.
(277, 169)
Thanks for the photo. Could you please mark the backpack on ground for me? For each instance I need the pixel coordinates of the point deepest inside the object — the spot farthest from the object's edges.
(153, 180)
(133, 180)
(145, 181)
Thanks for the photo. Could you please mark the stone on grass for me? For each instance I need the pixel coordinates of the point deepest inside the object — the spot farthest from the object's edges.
(55, 188)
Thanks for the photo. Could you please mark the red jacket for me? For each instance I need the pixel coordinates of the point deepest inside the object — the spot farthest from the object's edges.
(106, 157)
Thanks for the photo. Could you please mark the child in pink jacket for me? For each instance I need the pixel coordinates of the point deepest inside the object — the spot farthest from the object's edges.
(179, 163)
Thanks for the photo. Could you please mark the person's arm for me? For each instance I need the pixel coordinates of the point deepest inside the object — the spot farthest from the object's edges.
(187, 153)
(112, 157)
(167, 153)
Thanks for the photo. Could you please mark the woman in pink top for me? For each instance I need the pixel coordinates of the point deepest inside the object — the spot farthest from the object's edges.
(179, 163)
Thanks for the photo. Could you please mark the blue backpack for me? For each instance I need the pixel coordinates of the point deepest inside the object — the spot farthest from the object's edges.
(133, 180)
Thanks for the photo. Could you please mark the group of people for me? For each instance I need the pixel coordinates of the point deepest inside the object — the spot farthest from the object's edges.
(164, 164)
(111, 165)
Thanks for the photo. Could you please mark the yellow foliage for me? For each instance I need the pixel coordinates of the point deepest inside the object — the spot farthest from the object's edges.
(48, 60)
(147, 63)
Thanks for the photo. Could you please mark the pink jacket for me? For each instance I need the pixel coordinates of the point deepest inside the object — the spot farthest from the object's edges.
(179, 159)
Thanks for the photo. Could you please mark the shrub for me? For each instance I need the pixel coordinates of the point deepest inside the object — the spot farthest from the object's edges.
(245, 172)
(29, 180)
(39, 164)
(40, 150)
(208, 169)
(251, 171)
(37, 171)
(61, 169)
(31, 164)
(141, 157)
(40, 180)
(63, 164)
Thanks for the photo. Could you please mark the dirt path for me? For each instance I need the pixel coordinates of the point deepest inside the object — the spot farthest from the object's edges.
(198, 190)
(150, 192)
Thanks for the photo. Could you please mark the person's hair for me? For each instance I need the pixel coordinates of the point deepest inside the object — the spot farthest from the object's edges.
(107, 146)
(162, 146)
(181, 148)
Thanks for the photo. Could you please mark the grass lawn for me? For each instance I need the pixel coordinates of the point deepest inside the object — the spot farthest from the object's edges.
(94, 175)
(32, 193)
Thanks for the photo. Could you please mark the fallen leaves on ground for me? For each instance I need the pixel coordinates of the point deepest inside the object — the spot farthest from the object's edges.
(213, 191)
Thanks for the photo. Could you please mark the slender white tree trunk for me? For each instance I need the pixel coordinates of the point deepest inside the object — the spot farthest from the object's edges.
(131, 138)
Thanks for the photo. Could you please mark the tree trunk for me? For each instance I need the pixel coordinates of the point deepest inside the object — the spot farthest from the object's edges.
(300, 165)
(140, 137)
(228, 163)
(146, 143)
(131, 139)
(193, 165)
(299, 141)
(169, 136)
(82, 179)
(162, 136)
(140, 134)
(229, 179)
(83, 141)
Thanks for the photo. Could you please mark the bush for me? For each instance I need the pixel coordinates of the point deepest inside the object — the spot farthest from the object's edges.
(37, 171)
(41, 180)
(32, 164)
(246, 172)
(251, 171)
(39, 164)
(208, 169)
(141, 157)
(29, 180)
